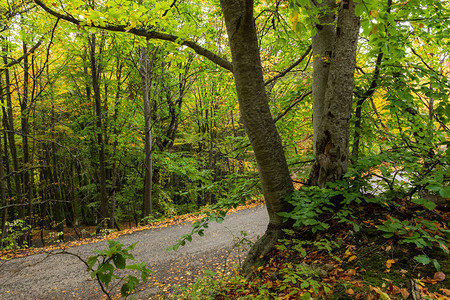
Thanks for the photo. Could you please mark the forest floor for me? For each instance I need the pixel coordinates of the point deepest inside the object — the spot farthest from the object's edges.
(344, 263)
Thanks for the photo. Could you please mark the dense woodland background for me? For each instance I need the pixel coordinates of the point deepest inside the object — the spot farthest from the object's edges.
(109, 129)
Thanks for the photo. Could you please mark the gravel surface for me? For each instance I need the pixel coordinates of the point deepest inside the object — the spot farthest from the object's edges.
(62, 276)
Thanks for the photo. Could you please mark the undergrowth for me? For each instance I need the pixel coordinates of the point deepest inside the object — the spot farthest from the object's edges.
(379, 233)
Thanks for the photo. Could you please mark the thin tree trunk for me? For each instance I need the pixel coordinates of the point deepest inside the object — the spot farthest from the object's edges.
(362, 98)
(25, 111)
(4, 200)
(95, 74)
(145, 69)
(11, 137)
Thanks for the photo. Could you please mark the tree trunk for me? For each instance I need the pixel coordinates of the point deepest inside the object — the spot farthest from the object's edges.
(95, 73)
(322, 48)
(24, 118)
(4, 201)
(11, 137)
(145, 69)
(333, 129)
(253, 102)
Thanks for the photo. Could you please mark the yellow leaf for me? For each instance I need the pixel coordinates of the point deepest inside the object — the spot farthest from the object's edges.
(389, 263)
(383, 295)
(374, 13)
(294, 20)
(347, 253)
(353, 257)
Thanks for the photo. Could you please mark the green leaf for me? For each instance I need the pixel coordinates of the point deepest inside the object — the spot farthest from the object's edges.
(359, 9)
(125, 290)
(423, 259)
(445, 192)
(119, 261)
(91, 261)
(436, 265)
(429, 205)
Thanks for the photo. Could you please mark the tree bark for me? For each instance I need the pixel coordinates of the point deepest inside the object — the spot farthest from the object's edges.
(333, 130)
(253, 102)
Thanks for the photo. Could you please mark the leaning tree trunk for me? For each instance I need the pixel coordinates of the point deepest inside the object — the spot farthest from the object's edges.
(253, 102)
(332, 128)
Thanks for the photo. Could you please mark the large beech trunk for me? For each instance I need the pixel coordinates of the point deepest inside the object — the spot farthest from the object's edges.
(253, 102)
(333, 96)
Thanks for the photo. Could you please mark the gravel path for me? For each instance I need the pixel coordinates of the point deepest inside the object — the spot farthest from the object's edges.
(44, 276)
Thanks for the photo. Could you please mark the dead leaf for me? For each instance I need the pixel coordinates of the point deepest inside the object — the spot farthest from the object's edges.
(350, 272)
(439, 276)
(446, 291)
(404, 293)
(350, 292)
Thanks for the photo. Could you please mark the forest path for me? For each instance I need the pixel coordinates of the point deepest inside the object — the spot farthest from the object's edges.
(44, 276)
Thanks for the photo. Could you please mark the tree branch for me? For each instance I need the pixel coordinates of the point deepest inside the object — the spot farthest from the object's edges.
(16, 61)
(423, 61)
(150, 34)
(298, 100)
(33, 203)
(283, 73)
